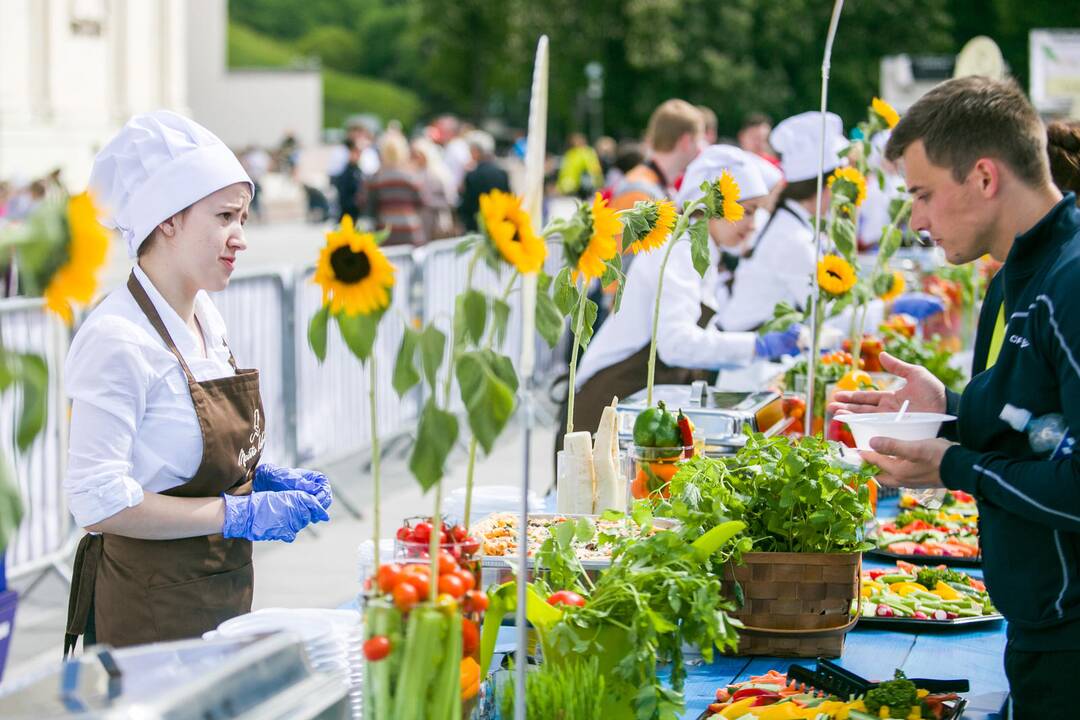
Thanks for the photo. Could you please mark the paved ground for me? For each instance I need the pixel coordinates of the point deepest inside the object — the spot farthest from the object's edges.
(320, 569)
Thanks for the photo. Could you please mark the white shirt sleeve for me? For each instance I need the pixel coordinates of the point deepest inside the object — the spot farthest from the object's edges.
(108, 381)
(681, 342)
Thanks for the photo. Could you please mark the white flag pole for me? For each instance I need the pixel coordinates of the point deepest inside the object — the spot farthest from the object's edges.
(535, 152)
(811, 364)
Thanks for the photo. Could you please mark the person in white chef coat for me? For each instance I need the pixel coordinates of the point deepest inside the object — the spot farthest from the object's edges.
(166, 431)
(781, 263)
(689, 345)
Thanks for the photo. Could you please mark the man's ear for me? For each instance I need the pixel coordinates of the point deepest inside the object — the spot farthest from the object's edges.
(987, 176)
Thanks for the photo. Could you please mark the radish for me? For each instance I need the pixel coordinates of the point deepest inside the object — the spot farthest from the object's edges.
(885, 611)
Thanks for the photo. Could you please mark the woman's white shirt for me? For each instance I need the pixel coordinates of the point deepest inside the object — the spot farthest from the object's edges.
(133, 423)
(680, 341)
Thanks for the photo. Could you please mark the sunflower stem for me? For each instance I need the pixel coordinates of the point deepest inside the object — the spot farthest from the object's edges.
(448, 383)
(469, 481)
(676, 236)
(375, 453)
(433, 543)
(578, 327)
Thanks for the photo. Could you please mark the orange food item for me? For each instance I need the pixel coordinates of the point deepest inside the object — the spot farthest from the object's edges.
(470, 678)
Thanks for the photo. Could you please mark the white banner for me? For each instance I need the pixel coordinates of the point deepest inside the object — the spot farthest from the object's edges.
(1055, 71)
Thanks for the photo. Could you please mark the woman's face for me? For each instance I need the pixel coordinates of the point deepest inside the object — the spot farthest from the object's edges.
(732, 236)
(204, 240)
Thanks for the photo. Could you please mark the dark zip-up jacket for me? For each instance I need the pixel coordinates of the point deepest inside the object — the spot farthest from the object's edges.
(1029, 506)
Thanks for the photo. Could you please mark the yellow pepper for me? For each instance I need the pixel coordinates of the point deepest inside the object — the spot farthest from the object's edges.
(915, 714)
(884, 712)
(784, 711)
(906, 588)
(945, 591)
(869, 587)
(737, 709)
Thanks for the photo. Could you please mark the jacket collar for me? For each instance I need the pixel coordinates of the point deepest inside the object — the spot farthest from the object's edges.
(1032, 247)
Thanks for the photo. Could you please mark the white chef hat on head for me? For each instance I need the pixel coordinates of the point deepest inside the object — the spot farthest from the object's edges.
(769, 172)
(712, 162)
(157, 165)
(798, 140)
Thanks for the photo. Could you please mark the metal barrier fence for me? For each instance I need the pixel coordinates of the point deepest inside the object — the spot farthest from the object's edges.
(315, 414)
(44, 538)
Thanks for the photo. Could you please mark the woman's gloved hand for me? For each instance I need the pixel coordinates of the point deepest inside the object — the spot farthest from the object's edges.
(273, 478)
(271, 515)
(918, 305)
(774, 345)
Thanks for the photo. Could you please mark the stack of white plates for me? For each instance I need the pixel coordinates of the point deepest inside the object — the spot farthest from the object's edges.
(333, 640)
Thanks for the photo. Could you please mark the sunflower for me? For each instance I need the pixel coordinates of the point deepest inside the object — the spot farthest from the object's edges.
(76, 280)
(354, 274)
(851, 181)
(886, 112)
(729, 193)
(509, 228)
(896, 286)
(835, 275)
(602, 244)
(660, 216)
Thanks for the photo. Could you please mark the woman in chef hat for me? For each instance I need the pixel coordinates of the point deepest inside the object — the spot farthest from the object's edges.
(689, 346)
(166, 430)
(781, 262)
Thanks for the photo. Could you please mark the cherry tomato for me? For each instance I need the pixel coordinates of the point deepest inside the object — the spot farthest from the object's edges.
(406, 596)
(566, 597)
(447, 563)
(420, 582)
(467, 579)
(443, 537)
(377, 647)
(470, 545)
(476, 601)
(389, 576)
(458, 533)
(470, 636)
(421, 532)
(404, 534)
(451, 585)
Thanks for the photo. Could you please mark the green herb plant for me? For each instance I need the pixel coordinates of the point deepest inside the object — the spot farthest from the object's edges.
(928, 353)
(572, 691)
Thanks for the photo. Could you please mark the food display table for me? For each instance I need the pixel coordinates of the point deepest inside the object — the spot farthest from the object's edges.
(973, 652)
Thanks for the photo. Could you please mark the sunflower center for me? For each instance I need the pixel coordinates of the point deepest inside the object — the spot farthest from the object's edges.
(834, 274)
(350, 267)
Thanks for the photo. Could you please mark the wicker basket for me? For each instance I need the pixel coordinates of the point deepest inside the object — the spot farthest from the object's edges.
(796, 604)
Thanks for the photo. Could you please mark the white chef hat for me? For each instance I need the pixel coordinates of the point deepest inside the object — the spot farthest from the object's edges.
(713, 161)
(157, 165)
(798, 140)
(769, 172)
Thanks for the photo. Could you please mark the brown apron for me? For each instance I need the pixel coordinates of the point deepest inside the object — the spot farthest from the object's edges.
(142, 591)
(625, 378)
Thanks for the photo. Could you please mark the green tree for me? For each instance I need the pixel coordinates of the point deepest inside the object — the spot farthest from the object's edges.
(336, 47)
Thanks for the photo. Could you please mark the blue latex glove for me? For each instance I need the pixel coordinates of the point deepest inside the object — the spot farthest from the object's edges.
(272, 515)
(776, 344)
(918, 305)
(273, 478)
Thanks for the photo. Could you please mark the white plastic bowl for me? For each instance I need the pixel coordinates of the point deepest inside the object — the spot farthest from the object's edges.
(913, 426)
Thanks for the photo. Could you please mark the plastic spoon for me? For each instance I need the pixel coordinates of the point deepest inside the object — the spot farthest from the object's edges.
(903, 409)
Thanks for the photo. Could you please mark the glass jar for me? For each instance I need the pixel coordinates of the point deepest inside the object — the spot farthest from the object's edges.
(652, 468)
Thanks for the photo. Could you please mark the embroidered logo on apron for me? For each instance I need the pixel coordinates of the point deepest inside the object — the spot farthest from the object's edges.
(257, 440)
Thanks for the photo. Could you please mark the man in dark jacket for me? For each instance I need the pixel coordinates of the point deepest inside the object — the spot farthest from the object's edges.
(973, 152)
(484, 177)
(350, 183)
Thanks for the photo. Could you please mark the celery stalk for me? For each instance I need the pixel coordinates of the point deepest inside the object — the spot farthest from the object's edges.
(447, 683)
(425, 637)
(382, 619)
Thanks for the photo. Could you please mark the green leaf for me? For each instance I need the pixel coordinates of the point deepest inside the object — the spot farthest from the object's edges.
(406, 376)
(432, 347)
(11, 510)
(504, 369)
(500, 317)
(843, 236)
(474, 306)
(615, 272)
(436, 434)
(358, 332)
(317, 332)
(381, 236)
(566, 293)
(889, 243)
(488, 399)
(699, 246)
(589, 321)
(467, 243)
(784, 316)
(549, 320)
(33, 375)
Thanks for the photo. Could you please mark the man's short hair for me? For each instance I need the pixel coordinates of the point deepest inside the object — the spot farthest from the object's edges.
(711, 122)
(753, 120)
(964, 119)
(670, 121)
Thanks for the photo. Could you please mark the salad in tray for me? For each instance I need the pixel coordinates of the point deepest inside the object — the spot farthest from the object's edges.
(953, 501)
(951, 531)
(929, 594)
(775, 696)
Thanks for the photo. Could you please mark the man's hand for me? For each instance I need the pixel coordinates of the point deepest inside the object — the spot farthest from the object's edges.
(909, 464)
(926, 392)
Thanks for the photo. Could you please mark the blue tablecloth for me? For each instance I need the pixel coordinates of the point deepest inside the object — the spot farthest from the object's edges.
(972, 652)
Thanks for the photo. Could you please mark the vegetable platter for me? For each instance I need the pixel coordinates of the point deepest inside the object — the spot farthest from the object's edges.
(919, 597)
